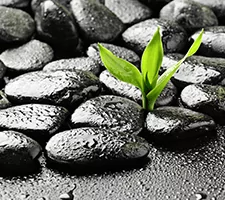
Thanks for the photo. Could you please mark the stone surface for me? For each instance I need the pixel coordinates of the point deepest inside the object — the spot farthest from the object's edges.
(129, 11)
(109, 112)
(18, 153)
(188, 14)
(38, 121)
(196, 69)
(15, 25)
(15, 3)
(28, 57)
(67, 88)
(96, 22)
(55, 25)
(213, 41)
(117, 87)
(174, 37)
(207, 99)
(81, 63)
(175, 123)
(119, 51)
(90, 147)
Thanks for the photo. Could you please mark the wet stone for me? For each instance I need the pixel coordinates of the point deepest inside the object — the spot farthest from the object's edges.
(28, 57)
(15, 3)
(213, 42)
(174, 37)
(117, 87)
(119, 51)
(188, 14)
(129, 11)
(88, 147)
(15, 25)
(175, 123)
(207, 99)
(217, 6)
(196, 69)
(55, 25)
(97, 22)
(63, 87)
(109, 112)
(80, 63)
(4, 102)
(38, 121)
(18, 153)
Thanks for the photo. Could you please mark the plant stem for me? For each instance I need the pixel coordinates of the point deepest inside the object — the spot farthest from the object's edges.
(144, 101)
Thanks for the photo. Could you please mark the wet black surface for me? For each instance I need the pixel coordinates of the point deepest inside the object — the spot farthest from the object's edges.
(187, 174)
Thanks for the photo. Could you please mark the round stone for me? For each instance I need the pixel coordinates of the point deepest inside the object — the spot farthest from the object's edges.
(15, 25)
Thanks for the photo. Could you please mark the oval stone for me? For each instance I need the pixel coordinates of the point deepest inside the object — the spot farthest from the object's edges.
(80, 63)
(196, 69)
(96, 22)
(88, 147)
(174, 37)
(217, 6)
(188, 14)
(67, 88)
(175, 123)
(109, 112)
(119, 51)
(15, 25)
(117, 87)
(55, 25)
(129, 11)
(28, 57)
(38, 121)
(207, 99)
(18, 153)
(213, 42)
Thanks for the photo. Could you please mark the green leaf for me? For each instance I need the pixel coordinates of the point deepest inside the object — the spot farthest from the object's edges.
(120, 68)
(166, 76)
(152, 59)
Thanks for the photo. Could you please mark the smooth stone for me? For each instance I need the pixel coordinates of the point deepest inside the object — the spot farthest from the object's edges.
(38, 121)
(176, 123)
(88, 147)
(190, 15)
(96, 22)
(63, 87)
(28, 57)
(15, 25)
(18, 153)
(119, 51)
(129, 11)
(217, 6)
(196, 69)
(109, 112)
(117, 87)
(174, 37)
(15, 3)
(4, 102)
(207, 99)
(213, 41)
(55, 25)
(80, 63)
